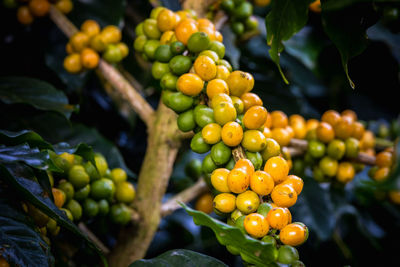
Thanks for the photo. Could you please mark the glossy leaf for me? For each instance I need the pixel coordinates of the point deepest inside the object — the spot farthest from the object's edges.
(251, 250)
(36, 93)
(20, 244)
(30, 156)
(347, 33)
(181, 258)
(314, 208)
(282, 22)
(31, 191)
(24, 136)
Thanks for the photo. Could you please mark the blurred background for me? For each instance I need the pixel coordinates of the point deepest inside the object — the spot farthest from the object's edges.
(352, 226)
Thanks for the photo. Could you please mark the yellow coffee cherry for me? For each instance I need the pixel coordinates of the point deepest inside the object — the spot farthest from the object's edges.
(253, 140)
(211, 133)
(225, 203)
(219, 180)
(219, 98)
(247, 202)
(205, 67)
(240, 82)
(224, 112)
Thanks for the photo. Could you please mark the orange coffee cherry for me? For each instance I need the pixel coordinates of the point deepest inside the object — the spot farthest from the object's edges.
(185, 29)
(72, 63)
(358, 130)
(295, 182)
(284, 195)
(59, 197)
(268, 122)
(24, 16)
(217, 86)
(39, 8)
(296, 118)
(281, 135)
(368, 140)
(381, 174)
(89, 58)
(238, 180)
(384, 159)
(325, 132)
(250, 99)
(311, 124)
(262, 183)
(246, 165)
(65, 6)
(90, 27)
(278, 168)
(255, 117)
(349, 113)
(190, 84)
(79, 41)
(256, 225)
(279, 119)
(294, 234)
(267, 132)
(222, 72)
(394, 196)
(331, 116)
(344, 128)
(232, 134)
(204, 203)
(278, 218)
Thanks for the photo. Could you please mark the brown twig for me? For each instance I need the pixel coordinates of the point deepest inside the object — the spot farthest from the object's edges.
(185, 196)
(238, 153)
(93, 238)
(113, 76)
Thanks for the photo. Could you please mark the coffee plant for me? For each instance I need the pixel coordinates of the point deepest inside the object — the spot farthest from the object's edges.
(194, 133)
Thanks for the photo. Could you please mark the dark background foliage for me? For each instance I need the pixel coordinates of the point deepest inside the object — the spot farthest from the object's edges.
(350, 219)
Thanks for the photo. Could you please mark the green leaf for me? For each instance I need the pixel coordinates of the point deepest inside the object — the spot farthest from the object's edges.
(285, 19)
(20, 244)
(347, 33)
(314, 208)
(33, 193)
(39, 94)
(181, 258)
(24, 136)
(251, 250)
(30, 156)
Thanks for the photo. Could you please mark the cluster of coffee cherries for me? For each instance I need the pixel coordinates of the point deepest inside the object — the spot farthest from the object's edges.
(28, 10)
(333, 144)
(84, 191)
(84, 47)
(240, 13)
(257, 201)
(217, 104)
